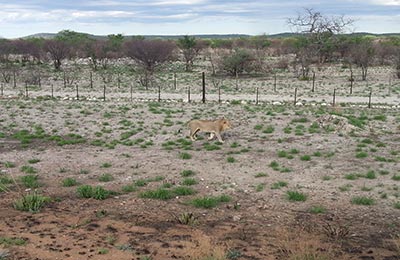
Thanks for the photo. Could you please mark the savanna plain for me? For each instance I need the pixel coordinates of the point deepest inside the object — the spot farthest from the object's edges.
(121, 180)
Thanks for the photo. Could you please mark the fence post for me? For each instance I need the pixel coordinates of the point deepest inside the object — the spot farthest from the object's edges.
(219, 94)
(334, 97)
(26, 89)
(104, 93)
(189, 94)
(159, 93)
(369, 99)
(237, 81)
(14, 79)
(204, 87)
(351, 82)
(256, 96)
(131, 91)
(91, 80)
(52, 91)
(295, 96)
(77, 91)
(65, 80)
(174, 80)
(2, 89)
(313, 81)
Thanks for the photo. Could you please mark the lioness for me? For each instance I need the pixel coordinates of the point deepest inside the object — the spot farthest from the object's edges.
(214, 127)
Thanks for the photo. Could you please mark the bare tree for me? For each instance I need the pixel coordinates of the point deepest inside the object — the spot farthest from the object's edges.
(361, 53)
(150, 54)
(320, 32)
(57, 50)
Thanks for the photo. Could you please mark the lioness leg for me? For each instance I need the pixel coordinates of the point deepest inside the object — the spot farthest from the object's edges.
(211, 136)
(193, 134)
(219, 137)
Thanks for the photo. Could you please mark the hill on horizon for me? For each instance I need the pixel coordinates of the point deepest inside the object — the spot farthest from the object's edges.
(200, 36)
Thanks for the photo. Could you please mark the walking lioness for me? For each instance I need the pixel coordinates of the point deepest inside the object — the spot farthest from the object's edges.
(214, 127)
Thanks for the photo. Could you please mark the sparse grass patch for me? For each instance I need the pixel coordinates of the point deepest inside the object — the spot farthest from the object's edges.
(317, 209)
(261, 174)
(9, 164)
(183, 191)
(346, 187)
(189, 181)
(296, 196)
(32, 202)
(69, 182)
(187, 173)
(106, 165)
(230, 159)
(278, 185)
(129, 188)
(361, 155)
(305, 157)
(106, 177)
(28, 169)
(33, 161)
(209, 201)
(396, 177)
(362, 201)
(185, 156)
(12, 241)
(260, 187)
(30, 181)
(160, 194)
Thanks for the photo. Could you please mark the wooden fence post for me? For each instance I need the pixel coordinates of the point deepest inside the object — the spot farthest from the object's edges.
(77, 91)
(159, 93)
(104, 93)
(26, 89)
(91, 80)
(175, 81)
(65, 80)
(219, 94)
(131, 91)
(369, 99)
(313, 81)
(189, 94)
(256, 96)
(351, 82)
(204, 87)
(295, 96)
(14, 79)
(334, 97)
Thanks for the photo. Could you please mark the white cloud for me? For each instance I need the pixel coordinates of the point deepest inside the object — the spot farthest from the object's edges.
(386, 2)
(178, 2)
(379, 2)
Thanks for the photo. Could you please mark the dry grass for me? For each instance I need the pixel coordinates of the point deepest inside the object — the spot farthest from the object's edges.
(301, 245)
(205, 249)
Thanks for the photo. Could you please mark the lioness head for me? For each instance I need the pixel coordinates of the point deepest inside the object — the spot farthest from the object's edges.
(226, 124)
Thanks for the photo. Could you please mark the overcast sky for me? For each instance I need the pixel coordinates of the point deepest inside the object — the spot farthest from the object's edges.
(20, 18)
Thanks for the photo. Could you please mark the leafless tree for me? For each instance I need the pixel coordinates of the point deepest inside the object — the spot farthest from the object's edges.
(320, 35)
(149, 54)
(57, 50)
(361, 53)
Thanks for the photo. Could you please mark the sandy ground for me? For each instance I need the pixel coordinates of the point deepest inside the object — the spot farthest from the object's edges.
(259, 221)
